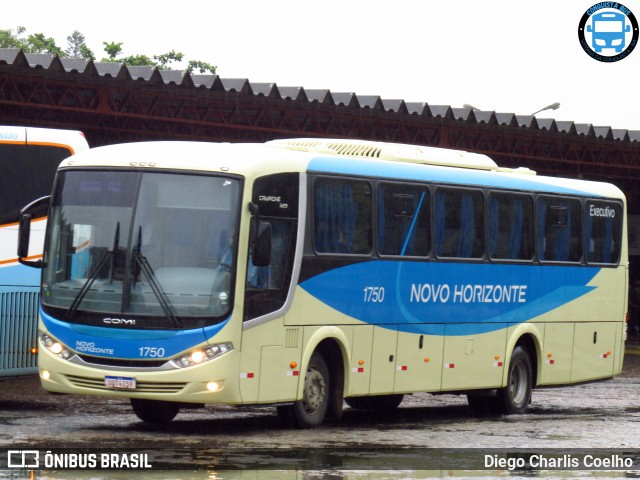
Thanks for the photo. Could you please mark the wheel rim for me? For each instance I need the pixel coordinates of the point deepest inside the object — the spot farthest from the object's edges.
(314, 391)
(518, 384)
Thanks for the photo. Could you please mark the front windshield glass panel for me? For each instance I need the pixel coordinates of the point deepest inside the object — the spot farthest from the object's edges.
(134, 244)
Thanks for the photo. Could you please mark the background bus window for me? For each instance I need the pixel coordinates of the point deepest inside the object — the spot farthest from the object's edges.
(603, 232)
(342, 216)
(27, 174)
(459, 225)
(403, 220)
(559, 229)
(510, 227)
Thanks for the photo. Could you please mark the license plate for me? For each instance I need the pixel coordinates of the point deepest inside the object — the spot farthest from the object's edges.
(120, 383)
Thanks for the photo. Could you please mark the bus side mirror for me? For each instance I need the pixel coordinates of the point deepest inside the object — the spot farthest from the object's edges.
(261, 256)
(38, 208)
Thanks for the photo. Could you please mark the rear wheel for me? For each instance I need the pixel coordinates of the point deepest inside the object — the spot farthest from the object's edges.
(516, 395)
(311, 411)
(155, 411)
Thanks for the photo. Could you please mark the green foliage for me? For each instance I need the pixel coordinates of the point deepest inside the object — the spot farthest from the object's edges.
(35, 43)
(201, 67)
(77, 48)
(112, 49)
(165, 59)
(8, 39)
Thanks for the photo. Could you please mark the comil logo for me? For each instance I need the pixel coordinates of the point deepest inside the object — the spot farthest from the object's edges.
(608, 31)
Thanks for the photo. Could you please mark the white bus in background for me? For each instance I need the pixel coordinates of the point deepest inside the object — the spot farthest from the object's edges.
(29, 158)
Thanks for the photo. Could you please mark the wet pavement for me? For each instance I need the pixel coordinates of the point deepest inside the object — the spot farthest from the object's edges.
(426, 430)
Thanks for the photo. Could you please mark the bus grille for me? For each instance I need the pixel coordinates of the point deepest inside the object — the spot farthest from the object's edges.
(141, 387)
(18, 332)
(122, 363)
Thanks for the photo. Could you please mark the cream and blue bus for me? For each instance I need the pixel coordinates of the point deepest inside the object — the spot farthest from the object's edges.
(309, 273)
(29, 158)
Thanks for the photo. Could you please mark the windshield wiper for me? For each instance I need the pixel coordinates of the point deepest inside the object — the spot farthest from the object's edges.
(94, 274)
(142, 263)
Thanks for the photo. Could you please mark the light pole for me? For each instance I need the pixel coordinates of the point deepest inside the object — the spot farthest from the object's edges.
(553, 106)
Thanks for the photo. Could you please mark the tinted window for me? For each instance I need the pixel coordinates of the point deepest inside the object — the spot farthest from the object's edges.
(26, 174)
(603, 231)
(342, 219)
(510, 227)
(267, 286)
(403, 220)
(459, 225)
(559, 229)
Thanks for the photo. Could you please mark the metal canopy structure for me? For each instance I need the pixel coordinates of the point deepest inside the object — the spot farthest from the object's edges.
(113, 103)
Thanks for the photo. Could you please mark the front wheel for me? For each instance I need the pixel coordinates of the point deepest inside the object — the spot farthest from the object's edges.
(155, 411)
(311, 411)
(516, 395)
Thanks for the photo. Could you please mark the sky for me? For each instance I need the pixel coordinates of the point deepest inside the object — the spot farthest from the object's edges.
(510, 56)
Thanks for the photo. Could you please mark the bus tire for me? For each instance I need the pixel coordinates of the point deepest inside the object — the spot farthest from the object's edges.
(378, 403)
(310, 412)
(155, 411)
(516, 395)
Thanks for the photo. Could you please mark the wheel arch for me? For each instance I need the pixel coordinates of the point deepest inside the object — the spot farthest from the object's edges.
(528, 337)
(333, 344)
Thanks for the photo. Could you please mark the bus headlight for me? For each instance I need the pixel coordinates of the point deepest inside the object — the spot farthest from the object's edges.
(54, 346)
(196, 357)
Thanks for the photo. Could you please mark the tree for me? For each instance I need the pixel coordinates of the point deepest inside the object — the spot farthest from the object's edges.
(166, 58)
(112, 49)
(77, 48)
(8, 39)
(38, 43)
(202, 67)
(35, 43)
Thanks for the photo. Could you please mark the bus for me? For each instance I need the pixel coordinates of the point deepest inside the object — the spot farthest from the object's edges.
(608, 31)
(309, 273)
(29, 158)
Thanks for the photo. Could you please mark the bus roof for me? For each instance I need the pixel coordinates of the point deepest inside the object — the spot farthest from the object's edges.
(73, 140)
(331, 156)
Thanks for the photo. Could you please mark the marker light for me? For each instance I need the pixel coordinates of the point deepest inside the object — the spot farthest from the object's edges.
(201, 355)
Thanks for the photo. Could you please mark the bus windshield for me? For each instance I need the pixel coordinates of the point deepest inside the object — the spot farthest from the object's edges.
(144, 250)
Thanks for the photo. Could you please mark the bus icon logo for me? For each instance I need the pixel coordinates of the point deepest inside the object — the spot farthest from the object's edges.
(23, 458)
(608, 32)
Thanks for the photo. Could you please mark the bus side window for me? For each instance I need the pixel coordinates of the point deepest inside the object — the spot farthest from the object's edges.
(267, 287)
(459, 224)
(342, 220)
(403, 220)
(559, 229)
(510, 227)
(603, 232)
(15, 160)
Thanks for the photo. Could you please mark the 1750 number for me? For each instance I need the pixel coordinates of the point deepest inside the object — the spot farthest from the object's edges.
(151, 352)
(373, 294)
